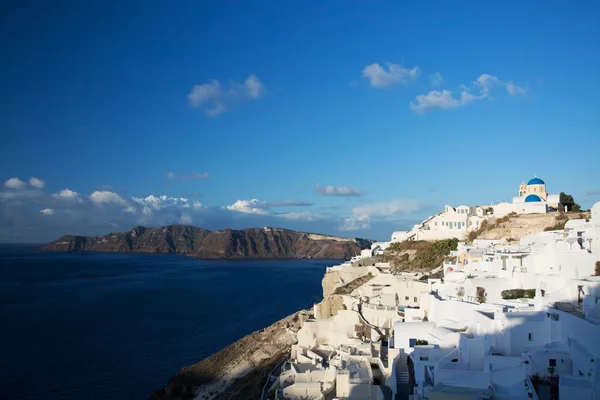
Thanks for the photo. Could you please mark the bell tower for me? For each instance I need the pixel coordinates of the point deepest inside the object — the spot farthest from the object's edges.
(522, 189)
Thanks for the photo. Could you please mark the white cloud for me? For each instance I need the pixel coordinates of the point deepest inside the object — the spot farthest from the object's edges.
(106, 197)
(47, 211)
(198, 206)
(159, 202)
(436, 79)
(363, 214)
(446, 99)
(205, 92)
(342, 191)
(437, 99)
(513, 89)
(355, 223)
(253, 206)
(15, 183)
(386, 209)
(254, 86)
(395, 74)
(215, 100)
(37, 183)
(67, 194)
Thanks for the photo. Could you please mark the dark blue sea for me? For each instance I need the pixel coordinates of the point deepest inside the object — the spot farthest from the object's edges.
(117, 326)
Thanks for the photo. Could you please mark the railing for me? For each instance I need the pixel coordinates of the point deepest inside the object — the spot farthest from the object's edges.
(380, 307)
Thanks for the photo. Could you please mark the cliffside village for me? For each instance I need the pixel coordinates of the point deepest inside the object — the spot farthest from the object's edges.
(507, 321)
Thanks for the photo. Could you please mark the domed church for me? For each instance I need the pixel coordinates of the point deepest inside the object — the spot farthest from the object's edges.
(532, 199)
(535, 192)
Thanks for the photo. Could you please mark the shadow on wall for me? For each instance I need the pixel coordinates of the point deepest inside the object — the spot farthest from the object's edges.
(524, 354)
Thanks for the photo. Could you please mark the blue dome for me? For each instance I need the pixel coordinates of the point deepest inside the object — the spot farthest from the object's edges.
(535, 181)
(532, 198)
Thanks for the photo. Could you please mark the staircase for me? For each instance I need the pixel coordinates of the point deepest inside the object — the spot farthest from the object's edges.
(401, 377)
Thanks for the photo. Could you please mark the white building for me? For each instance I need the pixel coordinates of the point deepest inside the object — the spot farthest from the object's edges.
(448, 224)
(476, 335)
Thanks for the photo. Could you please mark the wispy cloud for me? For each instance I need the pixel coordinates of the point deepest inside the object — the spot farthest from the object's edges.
(197, 176)
(47, 211)
(214, 99)
(395, 74)
(436, 79)
(480, 89)
(305, 216)
(593, 193)
(291, 203)
(363, 214)
(341, 191)
(192, 176)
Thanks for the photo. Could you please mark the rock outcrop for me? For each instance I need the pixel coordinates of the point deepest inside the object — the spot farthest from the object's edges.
(228, 243)
(238, 371)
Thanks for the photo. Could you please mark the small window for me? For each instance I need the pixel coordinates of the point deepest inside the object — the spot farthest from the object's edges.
(415, 299)
(406, 298)
(552, 362)
(530, 336)
(412, 342)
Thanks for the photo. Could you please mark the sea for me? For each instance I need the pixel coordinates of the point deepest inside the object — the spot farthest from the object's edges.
(117, 326)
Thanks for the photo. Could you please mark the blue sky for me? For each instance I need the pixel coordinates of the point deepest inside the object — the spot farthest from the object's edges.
(348, 118)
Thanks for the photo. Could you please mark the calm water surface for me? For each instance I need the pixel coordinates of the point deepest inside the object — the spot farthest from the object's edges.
(116, 326)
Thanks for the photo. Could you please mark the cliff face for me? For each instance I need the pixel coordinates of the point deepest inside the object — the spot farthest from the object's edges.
(247, 243)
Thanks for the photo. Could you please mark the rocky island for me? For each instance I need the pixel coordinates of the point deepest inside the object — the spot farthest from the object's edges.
(227, 244)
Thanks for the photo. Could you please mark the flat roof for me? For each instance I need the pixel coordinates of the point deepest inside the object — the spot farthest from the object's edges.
(359, 370)
(443, 388)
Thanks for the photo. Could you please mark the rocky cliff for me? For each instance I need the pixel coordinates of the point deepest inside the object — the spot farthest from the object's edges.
(229, 243)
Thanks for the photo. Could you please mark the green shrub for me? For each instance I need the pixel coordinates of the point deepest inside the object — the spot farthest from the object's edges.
(557, 227)
(428, 255)
(597, 268)
(421, 342)
(481, 295)
(512, 294)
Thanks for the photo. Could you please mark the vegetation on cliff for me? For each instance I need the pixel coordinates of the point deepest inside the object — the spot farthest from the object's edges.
(352, 285)
(419, 256)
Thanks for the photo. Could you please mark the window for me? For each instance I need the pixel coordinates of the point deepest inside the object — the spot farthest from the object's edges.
(415, 299)
(530, 336)
(552, 362)
(406, 298)
(412, 342)
(435, 223)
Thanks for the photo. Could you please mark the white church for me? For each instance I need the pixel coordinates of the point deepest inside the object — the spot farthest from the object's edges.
(532, 199)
